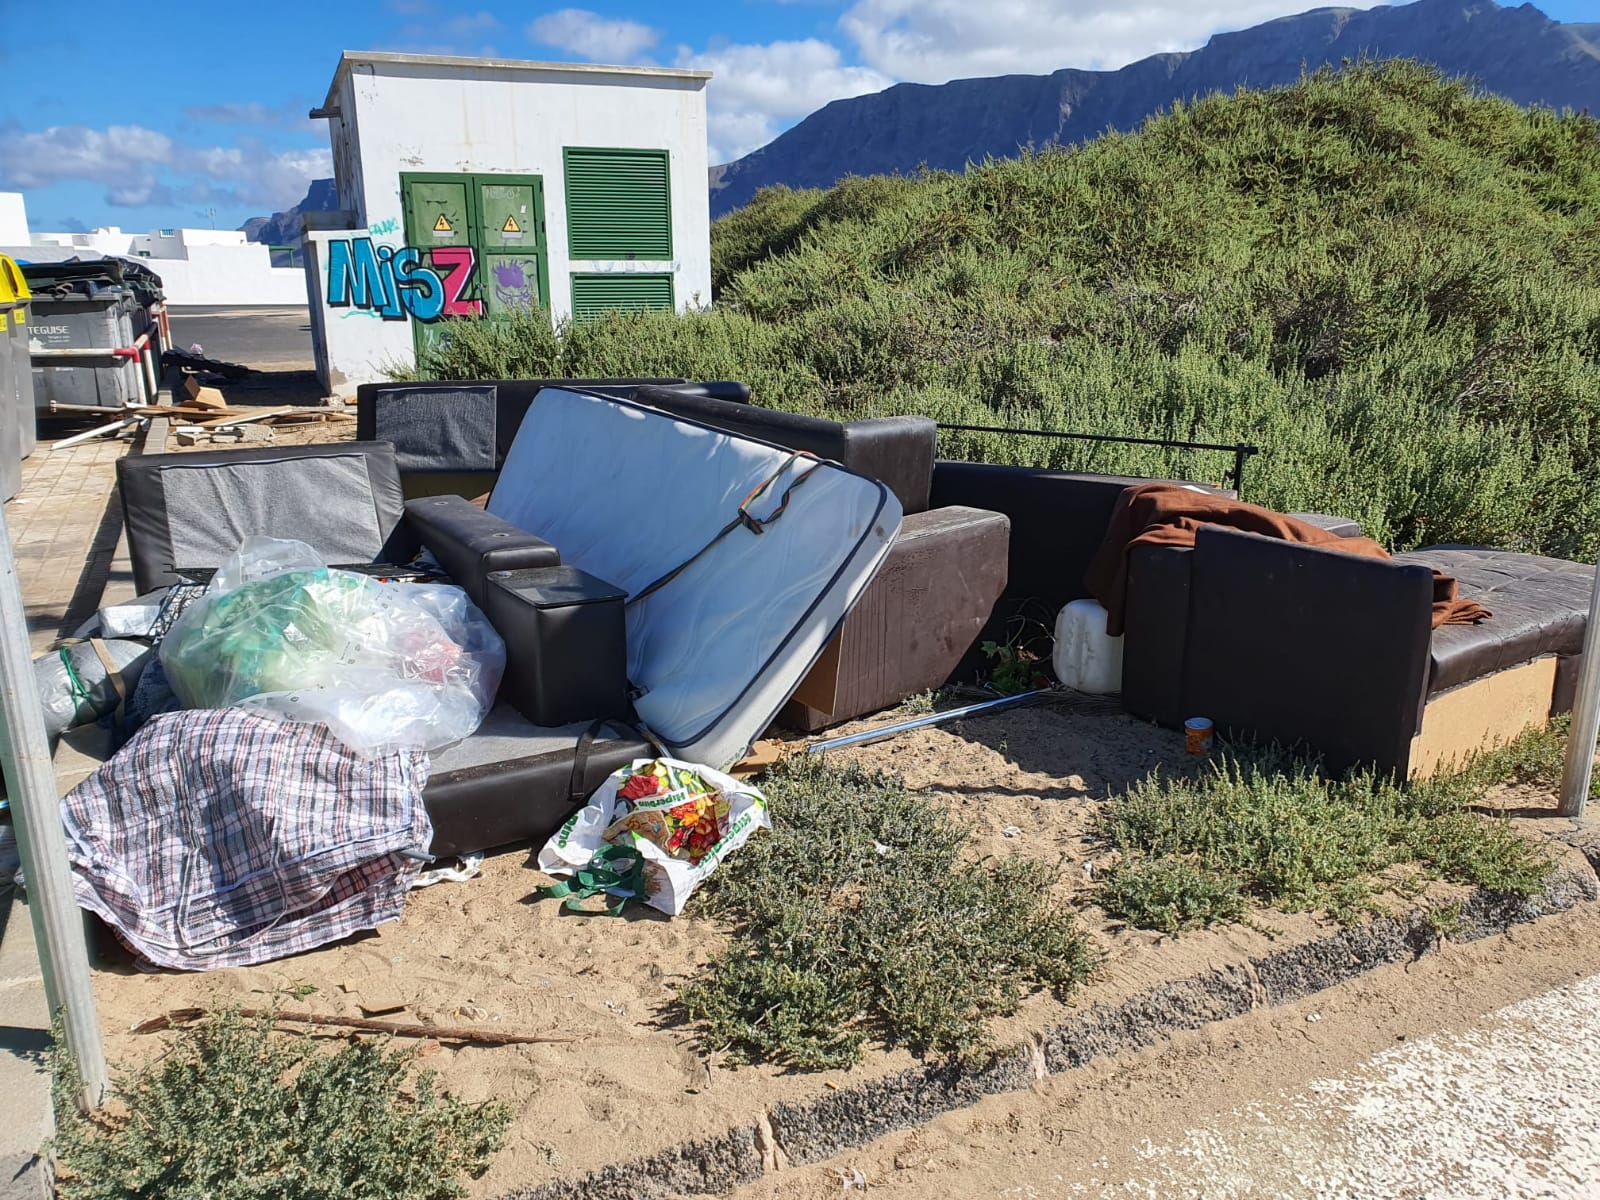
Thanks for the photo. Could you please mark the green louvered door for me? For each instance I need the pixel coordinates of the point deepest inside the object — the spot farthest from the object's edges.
(484, 236)
(619, 211)
(511, 243)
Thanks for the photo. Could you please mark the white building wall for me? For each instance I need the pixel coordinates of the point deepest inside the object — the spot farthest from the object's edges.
(228, 274)
(460, 117)
(353, 345)
(13, 220)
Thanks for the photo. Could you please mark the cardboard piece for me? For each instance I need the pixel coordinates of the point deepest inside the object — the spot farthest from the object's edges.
(200, 396)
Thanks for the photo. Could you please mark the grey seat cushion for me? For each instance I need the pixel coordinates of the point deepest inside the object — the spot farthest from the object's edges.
(1539, 606)
(193, 510)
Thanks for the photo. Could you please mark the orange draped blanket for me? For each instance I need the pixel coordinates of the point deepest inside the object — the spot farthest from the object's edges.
(1167, 514)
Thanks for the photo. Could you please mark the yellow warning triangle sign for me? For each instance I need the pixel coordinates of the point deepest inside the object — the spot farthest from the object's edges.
(442, 225)
(511, 226)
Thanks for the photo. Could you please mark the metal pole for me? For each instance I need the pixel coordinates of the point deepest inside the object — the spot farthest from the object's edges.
(1579, 766)
(36, 810)
(953, 714)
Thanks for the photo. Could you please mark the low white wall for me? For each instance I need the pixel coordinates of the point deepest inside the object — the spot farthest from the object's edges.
(211, 275)
(228, 275)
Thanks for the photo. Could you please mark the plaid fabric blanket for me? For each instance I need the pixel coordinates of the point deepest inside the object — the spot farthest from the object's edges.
(220, 838)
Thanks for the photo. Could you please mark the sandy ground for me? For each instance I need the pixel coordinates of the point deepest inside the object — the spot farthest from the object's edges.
(1402, 1083)
(630, 1081)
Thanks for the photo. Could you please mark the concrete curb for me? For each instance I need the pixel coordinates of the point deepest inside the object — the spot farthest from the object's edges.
(798, 1134)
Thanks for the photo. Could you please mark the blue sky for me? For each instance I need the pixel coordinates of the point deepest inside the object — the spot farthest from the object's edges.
(153, 116)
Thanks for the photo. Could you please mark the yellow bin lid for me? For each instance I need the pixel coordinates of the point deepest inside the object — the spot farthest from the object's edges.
(14, 290)
(14, 293)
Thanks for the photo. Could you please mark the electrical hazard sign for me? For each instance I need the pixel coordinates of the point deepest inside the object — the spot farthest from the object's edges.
(442, 225)
(511, 225)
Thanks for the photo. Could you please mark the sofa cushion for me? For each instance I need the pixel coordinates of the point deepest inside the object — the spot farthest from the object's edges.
(1539, 606)
(914, 623)
(439, 429)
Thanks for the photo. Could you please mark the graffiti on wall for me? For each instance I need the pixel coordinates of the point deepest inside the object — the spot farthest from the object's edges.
(512, 287)
(395, 283)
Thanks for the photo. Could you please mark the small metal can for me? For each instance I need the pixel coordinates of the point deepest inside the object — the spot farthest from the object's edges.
(1197, 732)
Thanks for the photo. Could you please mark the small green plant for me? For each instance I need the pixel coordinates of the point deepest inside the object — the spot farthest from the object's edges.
(1261, 826)
(1444, 919)
(236, 1112)
(860, 917)
(1171, 894)
(1015, 664)
(922, 704)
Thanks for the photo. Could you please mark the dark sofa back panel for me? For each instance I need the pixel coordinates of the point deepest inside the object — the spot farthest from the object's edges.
(1290, 641)
(1058, 519)
(193, 509)
(896, 451)
(512, 397)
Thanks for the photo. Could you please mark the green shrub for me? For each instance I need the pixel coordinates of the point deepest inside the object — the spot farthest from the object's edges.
(858, 917)
(1274, 830)
(234, 1112)
(1389, 281)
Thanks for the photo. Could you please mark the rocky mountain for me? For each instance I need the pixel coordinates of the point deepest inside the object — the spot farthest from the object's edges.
(283, 228)
(1517, 52)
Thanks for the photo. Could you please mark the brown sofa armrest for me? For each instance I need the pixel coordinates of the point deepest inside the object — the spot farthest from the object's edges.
(926, 606)
(1299, 644)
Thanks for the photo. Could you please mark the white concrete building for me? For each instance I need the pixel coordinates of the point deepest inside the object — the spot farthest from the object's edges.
(197, 266)
(470, 186)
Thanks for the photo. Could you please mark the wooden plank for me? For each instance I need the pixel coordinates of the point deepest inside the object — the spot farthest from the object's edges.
(259, 415)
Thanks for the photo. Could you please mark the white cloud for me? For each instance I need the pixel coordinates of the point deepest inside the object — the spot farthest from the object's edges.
(756, 90)
(40, 157)
(933, 41)
(591, 36)
(141, 166)
(433, 32)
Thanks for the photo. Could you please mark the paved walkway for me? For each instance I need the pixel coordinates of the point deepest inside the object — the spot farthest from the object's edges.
(1504, 1109)
(65, 526)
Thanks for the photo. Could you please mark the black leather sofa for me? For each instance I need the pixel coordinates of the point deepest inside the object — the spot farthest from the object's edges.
(510, 781)
(1334, 652)
(916, 621)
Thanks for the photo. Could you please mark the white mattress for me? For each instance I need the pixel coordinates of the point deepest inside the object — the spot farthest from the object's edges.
(628, 493)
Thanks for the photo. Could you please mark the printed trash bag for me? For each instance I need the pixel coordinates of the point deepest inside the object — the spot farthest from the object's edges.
(653, 830)
(83, 681)
(384, 666)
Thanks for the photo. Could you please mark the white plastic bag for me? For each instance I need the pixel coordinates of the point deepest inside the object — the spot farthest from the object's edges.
(675, 854)
(384, 666)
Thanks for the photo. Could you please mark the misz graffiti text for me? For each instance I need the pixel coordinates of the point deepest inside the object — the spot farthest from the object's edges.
(395, 283)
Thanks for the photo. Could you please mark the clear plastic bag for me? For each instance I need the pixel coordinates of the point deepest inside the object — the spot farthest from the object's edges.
(382, 665)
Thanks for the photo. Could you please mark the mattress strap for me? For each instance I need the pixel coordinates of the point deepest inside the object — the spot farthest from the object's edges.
(756, 525)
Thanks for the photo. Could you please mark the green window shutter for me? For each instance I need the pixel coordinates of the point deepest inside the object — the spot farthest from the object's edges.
(619, 204)
(596, 294)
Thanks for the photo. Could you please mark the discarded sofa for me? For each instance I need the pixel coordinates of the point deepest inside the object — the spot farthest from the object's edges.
(912, 626)
(1301, 644)
(728, 562)
(1294, 643)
